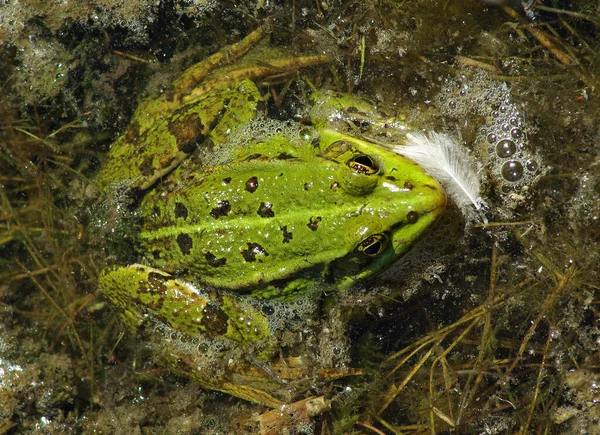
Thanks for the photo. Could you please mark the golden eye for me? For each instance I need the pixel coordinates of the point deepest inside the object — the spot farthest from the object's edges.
(363, 164)
(373, 245)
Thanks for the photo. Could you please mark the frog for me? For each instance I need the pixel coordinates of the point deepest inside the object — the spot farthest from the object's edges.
(230, 225)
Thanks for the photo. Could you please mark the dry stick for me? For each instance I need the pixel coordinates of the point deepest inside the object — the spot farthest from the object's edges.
(395, 390)
(407, 357)
(435, 362)
(487, 326)
(542, 38)
(545, 40)
(549, 302)
(371, 428)
(590, 18)
(523, 430)
(443, 332)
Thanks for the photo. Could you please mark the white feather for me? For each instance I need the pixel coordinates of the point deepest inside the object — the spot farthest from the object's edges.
(447, 161)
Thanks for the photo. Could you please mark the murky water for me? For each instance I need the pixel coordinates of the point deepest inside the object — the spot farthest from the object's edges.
(489, 325)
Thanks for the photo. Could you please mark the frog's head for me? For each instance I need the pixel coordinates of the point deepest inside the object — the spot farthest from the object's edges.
(401, 202)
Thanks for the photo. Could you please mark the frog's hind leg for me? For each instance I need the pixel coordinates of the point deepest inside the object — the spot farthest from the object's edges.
(197, 72)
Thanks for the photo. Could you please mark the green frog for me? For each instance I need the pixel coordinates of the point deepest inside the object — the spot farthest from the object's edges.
(239, 218)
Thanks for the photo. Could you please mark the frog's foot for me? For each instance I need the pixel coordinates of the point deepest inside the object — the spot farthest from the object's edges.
(270, 384)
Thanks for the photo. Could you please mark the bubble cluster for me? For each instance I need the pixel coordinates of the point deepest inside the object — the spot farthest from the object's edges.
(512, 165)
(288, 315)
(465, 96)
(254, 131)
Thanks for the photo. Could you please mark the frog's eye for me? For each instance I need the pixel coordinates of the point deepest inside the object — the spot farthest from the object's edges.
(363, 164)
(373, 245)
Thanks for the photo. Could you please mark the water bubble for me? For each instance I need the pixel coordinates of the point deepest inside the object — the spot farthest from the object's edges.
(495, 114)
(452, 104)
(491, 138)
(463, 92)
(268, 310)
(504, 127)
(503, 109)
(512, 170)
(505, 148)
(531, 165)
(305, 133)
(506, 188)
(515, 132)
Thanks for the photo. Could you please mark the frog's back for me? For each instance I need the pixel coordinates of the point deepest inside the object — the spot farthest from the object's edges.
(269, 219)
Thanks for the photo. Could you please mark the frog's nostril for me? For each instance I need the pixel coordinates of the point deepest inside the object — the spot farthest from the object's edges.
(412, 217)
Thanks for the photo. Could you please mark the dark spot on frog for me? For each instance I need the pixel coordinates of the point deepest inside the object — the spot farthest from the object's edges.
(156, 254)
(214, 261)
(308, 186)
(313, 223)
(219, 116)
(146, 167)
(187, 131)
(285, 156)
(132, 133)
(155, 304)
(155, 285)
(265, 210)
(155, 278)
(287, 235)
(252, 184)
(226, 180)
(253, 157)
(254, 249)
(180, 210)
(316, 141)
(223, 207)
(214, 320)
(408, 185)
(334, 185)
(185, 243)
(430, 186)
(391, 178)
(155, 212)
